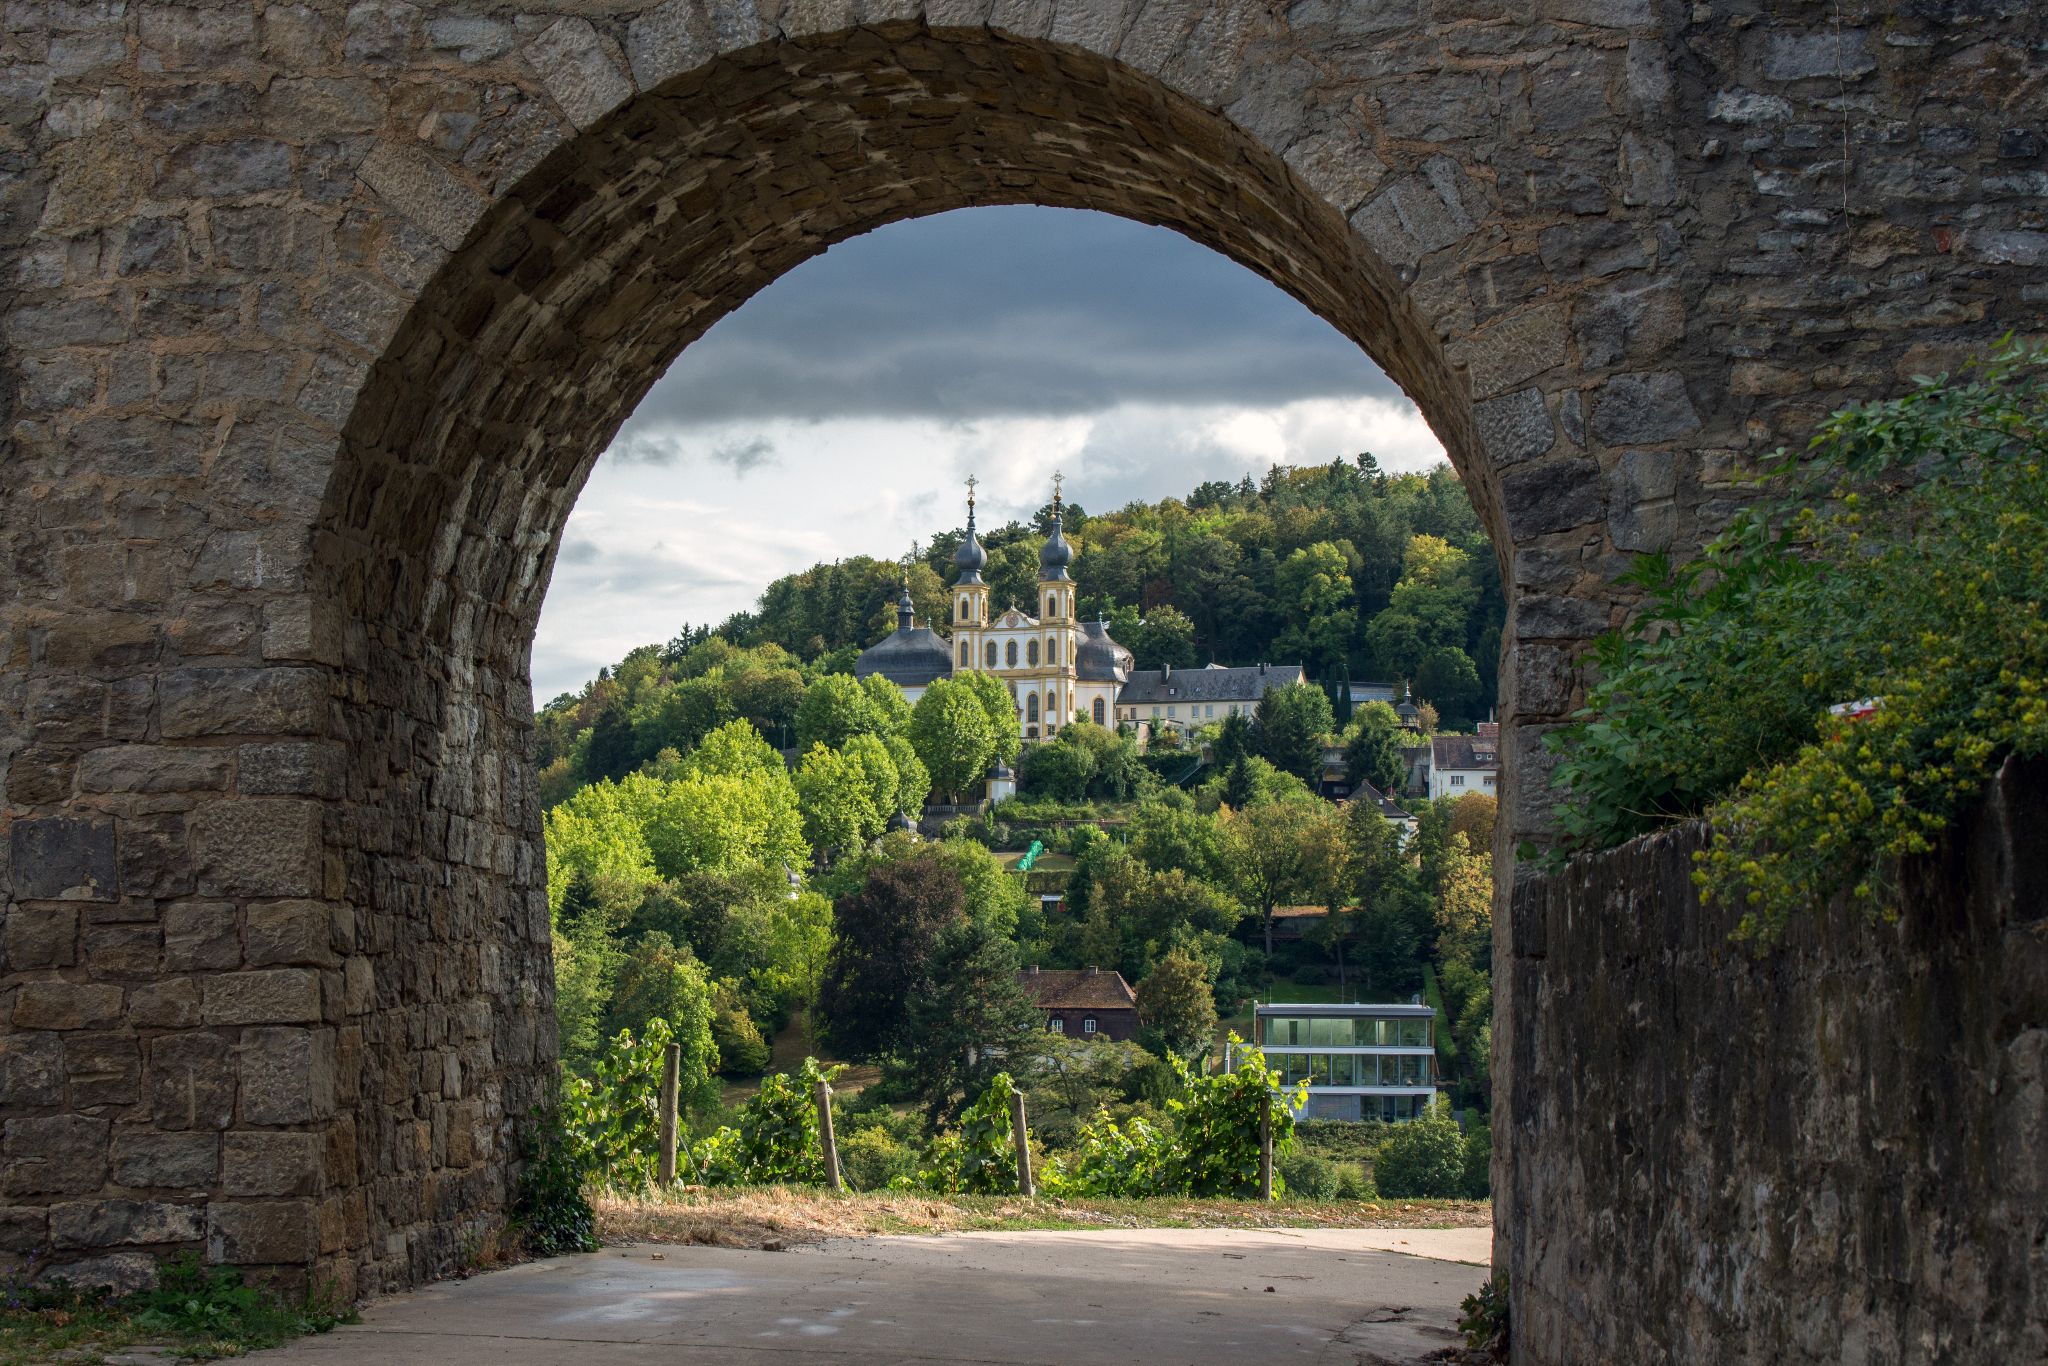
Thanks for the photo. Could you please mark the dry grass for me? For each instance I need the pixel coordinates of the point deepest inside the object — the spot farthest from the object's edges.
(776, 1217)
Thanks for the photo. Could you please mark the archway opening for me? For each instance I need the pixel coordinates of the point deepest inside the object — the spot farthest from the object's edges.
(481, 421)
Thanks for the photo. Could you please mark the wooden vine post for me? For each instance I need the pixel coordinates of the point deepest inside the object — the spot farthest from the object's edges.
(1022, 1138)
(1266, 1144)
(671, 1080)
(826, 1143)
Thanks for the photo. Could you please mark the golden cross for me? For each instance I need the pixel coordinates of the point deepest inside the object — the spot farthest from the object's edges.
(1056, 478)
(971, 482)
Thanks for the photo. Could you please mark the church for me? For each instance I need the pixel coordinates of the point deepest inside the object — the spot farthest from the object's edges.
(1056, 666)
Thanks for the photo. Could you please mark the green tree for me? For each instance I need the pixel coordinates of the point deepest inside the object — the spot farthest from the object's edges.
(1315, 591)
(913, 784)
(1165, 639)
(878, 765)
(1000, 708)
(837, 800)
(742, 1052)
(1372, 749)
(1276, 852)
(613, 752)
(883, 938)
(597, 834)
(892, 708)
(1175, 1002)
(964, 1020)
(1423, 1159)
(949, 729)
(1059, 769)
(1294, 721)
(835, 709)
(1448, 681)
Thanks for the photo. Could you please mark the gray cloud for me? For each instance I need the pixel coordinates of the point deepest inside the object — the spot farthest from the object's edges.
(744, 457)
(1005, 312)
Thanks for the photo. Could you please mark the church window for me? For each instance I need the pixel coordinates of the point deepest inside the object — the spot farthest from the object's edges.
(1052, 651)
(1051, 605)
(1031, 653)
(966, 654)
(1098, 711)
(1010, 653)
(990, 654)
(963, 607)
(1031, 709)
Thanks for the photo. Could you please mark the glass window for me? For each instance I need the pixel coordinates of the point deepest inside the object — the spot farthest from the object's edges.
(1155, 713)
(1457, 780)
(1173, 711)
(1489, 780)
(991, 654)
(1010, 653)
(1368, 1070)
(1052, 651)
(1341, 1070)
(1099, 713)
(1212, 709)
(1415, 1033)
(1050, 610)
(1088, 1025)
(1031, 708)
(1031, 653)
(1319, 1069)
(966, 653)
(1059, 1026)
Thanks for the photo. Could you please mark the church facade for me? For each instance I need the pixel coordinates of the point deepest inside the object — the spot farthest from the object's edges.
(1057, 667)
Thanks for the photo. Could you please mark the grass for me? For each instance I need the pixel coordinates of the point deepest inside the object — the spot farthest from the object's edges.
(195, 1312)
(777, 1217)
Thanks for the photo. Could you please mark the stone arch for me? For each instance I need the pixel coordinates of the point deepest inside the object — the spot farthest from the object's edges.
(316, 318)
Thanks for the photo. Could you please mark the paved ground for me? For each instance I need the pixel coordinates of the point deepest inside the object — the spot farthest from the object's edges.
(1120, 1298)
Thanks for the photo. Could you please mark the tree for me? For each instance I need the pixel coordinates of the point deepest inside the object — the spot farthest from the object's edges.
(1000, 708)
(742, 1052)
(1270, 849)
(1372, 749)
(1472, 816)
(892, 708)
(883, 938)
(878, 766)
(595, 833)
(659, 981)
(1165, 638)
(1175, 1001)
(835, 709)
(714, 823)
(913, 784)
(1293, 722)
(1464, 905)
(612, 752)
(968, 1016)
(949, 729)
(837, 799)
(1060, 769)
(1315, 592)
(1234, 740)
(1448, 681)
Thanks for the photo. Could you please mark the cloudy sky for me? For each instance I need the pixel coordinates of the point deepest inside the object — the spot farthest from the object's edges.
(841, 409)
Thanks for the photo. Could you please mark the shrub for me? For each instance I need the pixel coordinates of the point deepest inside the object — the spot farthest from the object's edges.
(776, 1140)
(1341, 1139)
(871, 1159)
(1423, 1159)
(1906, 565)
(1484, 1318)
(549, 1209)
(611, 1122)
(1354, 1185)
(1308, 1176)
(1479, 1162)
(979, 1157)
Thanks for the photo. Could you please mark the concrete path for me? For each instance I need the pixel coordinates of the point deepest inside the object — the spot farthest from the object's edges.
(1120, 1298)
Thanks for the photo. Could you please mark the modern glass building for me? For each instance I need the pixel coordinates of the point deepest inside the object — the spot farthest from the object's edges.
(1360, 1061)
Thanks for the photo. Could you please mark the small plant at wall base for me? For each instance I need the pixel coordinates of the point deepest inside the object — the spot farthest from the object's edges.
(1907, 566)
(1483, 1318)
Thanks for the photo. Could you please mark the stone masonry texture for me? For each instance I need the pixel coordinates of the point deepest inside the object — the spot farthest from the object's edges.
(314, 316)
(1830, 1152)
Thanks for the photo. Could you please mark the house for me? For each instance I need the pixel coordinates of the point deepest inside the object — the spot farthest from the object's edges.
(1184, 699)
(1362, 692)
(1088, 1003)
(1459, 764)
(1360, 1061)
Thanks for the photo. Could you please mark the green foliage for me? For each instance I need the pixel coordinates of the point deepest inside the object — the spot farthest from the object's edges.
(1908, 565)
(873, 1159)
(1293, 722)
(965, 1013)
(1119, 1161)
(1372, 749)
(776, 1140)
(834, 710)
(1483, 1318)
(1176, 1003)
(1422, 1159)
(953, 736)
(884, 936)
(210, 1306)
(550, 1209)
(1308, 1176)
(612, 1119)
(979, 1156)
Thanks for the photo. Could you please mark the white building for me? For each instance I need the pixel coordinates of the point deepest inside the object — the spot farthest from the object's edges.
(1360, 1061)
(1186, 699)
(1459, 764)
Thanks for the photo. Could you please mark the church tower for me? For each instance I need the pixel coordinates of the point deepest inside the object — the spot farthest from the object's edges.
(1056, 620)
(970, 594)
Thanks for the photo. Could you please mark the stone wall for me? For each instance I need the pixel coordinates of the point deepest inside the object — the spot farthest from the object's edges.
(1836, 1152)
(316, 313)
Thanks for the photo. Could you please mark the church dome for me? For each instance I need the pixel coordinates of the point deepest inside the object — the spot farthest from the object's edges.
(909, 657)
(1098, 658)
(970, 559)
(1057, 554)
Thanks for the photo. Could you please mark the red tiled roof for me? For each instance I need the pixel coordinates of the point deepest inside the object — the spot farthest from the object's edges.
(1077, 989)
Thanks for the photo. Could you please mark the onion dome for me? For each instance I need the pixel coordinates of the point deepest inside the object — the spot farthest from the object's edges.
(911, 656)
(970, 559)
(1057, 554)
(1098, 658)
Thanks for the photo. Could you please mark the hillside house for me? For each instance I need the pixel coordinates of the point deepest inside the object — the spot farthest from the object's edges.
(1083, 1003)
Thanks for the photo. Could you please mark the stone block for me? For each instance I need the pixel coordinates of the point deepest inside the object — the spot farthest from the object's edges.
(119, 1273)
(24, 1228)
(40, 937)
(259, 846)
(63, 858)
(582, 69)
(122, 951)
(268, 1233)
(201, 936)
(191, 1081)
(273, 996)
(153, 768)
(1517, 349)
(156, 858)
(169, 1004)
(288, 1075)
(1515, 428)
(1556, 618)
(66, 1005)
(424, 190)
(271, 1164)
(225, 170)
(1419, 214)
(32, 1068)
(1553, 495)
(102, 1069)
(290, 933)
(1633, 323)
(1643, 408)
(54, 1155)
(1544, 677)
(278, 700)
(113, 1223)
(184, 1161)
(478, 39)
(1830, 53)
